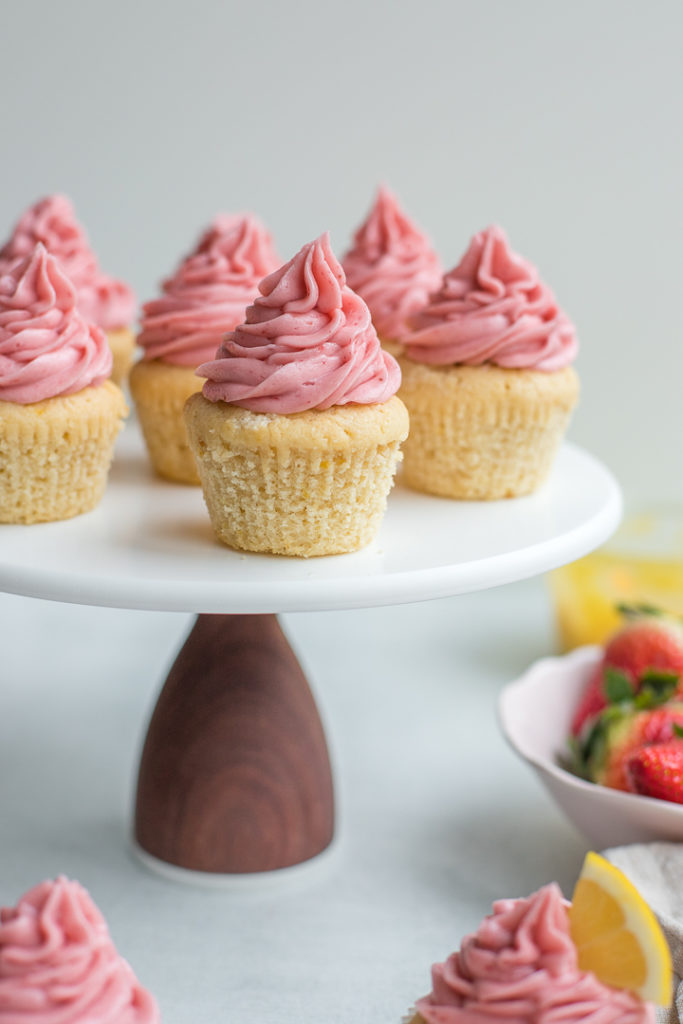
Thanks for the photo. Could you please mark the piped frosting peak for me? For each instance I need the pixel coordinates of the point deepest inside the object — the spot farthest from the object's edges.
(209, 292)
(46, 346)
(58, 964)
(243, 241)
(520, 966)
(102, 299)
(391, 265)
(307, 342)
(492, 308)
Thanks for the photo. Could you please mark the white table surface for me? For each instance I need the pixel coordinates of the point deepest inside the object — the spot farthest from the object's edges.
(436, 817)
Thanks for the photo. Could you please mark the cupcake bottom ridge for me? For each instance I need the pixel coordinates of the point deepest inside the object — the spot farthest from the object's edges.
(305, 484)
(483, 432)
(160, 391)
(56, 454)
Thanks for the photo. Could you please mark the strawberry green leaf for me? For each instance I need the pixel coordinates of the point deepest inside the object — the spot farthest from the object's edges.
(617, 685)
(636, 611)
(573, 761)
(678, 729)
(656, 687)
(659, 677)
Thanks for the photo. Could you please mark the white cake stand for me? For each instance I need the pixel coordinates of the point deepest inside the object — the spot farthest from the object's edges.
(235, 775)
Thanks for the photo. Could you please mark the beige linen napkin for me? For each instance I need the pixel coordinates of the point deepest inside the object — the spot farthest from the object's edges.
(656, 870)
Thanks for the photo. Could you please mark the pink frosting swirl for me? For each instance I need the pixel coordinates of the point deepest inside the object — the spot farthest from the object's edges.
(58, 964)
(46, 347)
(307, 343)
(492, 308)
(391, 265)
(104, 300)
(209, 292)
(521, 967)
(108, 302)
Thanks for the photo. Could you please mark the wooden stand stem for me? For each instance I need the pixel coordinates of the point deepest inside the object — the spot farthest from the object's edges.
(235, 775)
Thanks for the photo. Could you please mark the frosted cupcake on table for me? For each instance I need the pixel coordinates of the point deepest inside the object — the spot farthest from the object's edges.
(206, 297)
(521, 966)
(392, 266)
(103, 300)
(487, 378)
(58, 964)
(297, 430)
(59, 412)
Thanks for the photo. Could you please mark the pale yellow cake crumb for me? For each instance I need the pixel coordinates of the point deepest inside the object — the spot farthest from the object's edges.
(122, 344)
(55, 454)
(306, 484)
(483, 432)
(160, 391)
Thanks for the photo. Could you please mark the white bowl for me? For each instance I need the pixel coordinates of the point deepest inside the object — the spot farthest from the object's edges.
(535, 713)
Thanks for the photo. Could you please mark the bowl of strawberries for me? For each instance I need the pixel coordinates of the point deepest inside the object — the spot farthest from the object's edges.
(603, 728)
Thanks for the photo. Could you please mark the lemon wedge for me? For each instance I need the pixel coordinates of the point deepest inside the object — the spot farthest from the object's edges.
(616, 934)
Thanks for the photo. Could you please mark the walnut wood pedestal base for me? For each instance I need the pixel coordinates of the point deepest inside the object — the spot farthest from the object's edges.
(235, 775)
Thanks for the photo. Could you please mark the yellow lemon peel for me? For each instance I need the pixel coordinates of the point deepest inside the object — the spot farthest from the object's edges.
(616, 934)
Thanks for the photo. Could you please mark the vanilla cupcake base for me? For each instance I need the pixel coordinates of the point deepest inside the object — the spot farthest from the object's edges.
(306, 484)
(160, 391)
(122, 344)
(483, 432)
(55, 454)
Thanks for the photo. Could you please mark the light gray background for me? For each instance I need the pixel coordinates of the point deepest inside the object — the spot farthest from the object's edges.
(560, 121)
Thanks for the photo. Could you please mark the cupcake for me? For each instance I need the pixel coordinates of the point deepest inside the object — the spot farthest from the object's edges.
(205, 298)
(297, 430)
(522, 966)
(59, 412)
(58, 964)
(487, 378)
(102, 300)
(392, 266)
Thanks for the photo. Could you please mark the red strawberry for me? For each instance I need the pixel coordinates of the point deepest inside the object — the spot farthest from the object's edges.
(648, 641)
(628, 733)
(592, 700)
(657, 771)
